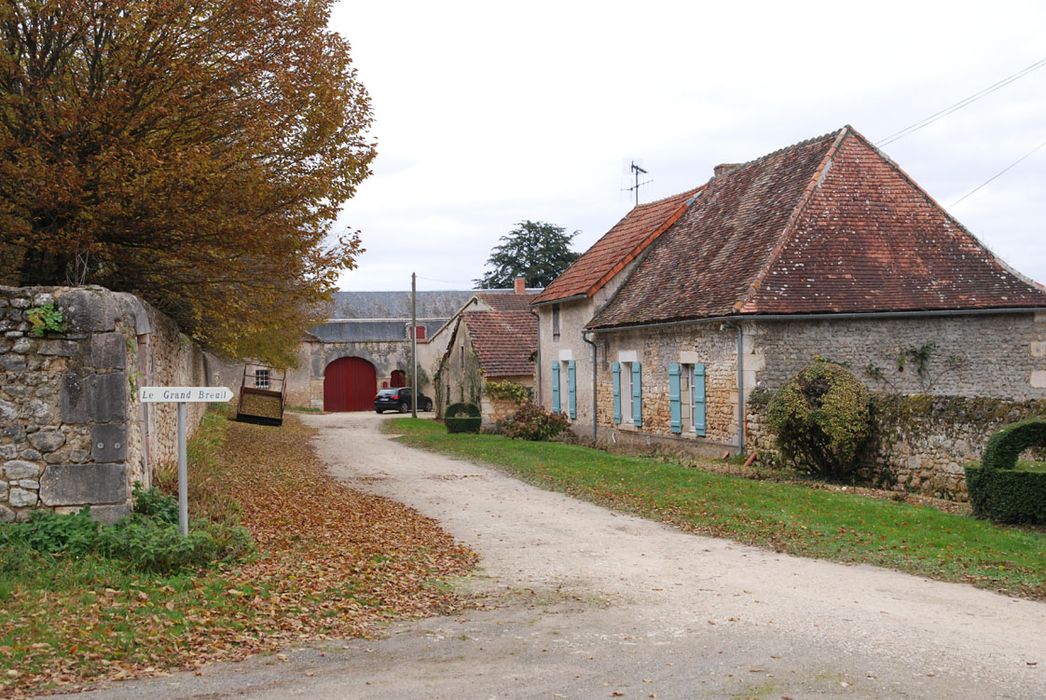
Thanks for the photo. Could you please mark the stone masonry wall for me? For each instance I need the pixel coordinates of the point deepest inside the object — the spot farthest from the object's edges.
(72, 432)
(997, 359)
(655, 349)
(932, 425)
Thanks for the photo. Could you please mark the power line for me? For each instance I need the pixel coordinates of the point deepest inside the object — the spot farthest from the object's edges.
(1001, 172)
(912, 128)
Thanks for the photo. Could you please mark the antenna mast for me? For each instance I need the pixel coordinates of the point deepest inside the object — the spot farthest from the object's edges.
(636, 170)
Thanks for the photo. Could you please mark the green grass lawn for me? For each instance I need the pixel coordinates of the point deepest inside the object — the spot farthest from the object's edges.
(785, 517)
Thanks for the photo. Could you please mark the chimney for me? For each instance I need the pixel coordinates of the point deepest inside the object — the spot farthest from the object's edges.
(724, 168)
(521, 285)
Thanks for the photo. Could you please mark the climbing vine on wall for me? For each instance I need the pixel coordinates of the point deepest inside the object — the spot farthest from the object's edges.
(922, 360)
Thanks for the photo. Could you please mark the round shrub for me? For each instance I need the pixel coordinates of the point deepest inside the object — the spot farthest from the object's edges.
(533, 422)
(463, 418)
(822, 419)
(1001, 490)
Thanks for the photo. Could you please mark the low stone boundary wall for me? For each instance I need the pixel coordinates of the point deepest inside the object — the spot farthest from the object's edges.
(72, 432)
(922, 442)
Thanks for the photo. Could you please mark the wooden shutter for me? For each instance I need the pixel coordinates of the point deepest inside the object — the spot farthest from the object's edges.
(571, 389)
(637, 395)
(555, 387)
(698, 389)
(615, 370)
(675, 409)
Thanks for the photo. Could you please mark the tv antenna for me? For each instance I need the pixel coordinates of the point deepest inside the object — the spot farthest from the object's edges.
(637, 171)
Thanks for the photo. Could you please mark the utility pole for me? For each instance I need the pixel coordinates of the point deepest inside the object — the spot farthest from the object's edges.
(414, 344)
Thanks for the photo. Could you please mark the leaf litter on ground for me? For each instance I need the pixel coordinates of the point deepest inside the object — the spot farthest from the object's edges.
(331, 562)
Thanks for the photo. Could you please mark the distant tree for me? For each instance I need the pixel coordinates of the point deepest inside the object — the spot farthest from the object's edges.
(194, 152)
(535, 250)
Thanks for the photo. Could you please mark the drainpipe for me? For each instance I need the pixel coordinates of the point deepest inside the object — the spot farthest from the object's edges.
(740, 389)
(585, 338)
(539, 361)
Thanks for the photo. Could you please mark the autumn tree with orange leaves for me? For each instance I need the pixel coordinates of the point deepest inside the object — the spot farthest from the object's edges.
(194, 152)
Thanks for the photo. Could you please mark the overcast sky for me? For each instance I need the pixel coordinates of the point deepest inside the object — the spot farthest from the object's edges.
(490, 113)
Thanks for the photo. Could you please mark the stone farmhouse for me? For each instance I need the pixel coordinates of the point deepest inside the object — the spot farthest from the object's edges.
(365, 346)
(659, 334)
(492, 337)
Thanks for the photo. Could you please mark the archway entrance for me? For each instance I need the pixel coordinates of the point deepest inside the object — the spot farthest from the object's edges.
(349, 384)
(398, 379)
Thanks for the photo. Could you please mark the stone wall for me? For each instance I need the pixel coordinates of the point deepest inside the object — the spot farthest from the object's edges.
(72, 431)
(995, 358)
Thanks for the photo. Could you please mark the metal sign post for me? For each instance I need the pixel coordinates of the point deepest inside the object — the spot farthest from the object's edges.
(182, 395)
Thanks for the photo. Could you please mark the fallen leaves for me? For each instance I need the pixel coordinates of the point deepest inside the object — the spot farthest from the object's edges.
(332, 562)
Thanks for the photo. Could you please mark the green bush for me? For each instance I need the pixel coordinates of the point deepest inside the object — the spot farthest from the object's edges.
(999, 489)
(463, 418)
(507, 390)
(1007, 495)
(147, 540)
(153, 503)
(152, 545)
(533, 422)
(822, 420)
(51, 533)
(1006, 445)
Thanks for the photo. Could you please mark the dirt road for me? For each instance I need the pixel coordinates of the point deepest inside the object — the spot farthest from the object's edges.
(578, 601)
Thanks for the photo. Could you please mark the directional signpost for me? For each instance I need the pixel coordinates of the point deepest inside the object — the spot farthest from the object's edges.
(183, 395)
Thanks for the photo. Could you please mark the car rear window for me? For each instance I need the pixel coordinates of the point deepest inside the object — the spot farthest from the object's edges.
(388, 392)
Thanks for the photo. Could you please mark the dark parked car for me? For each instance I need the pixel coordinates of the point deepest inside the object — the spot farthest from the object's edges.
(399, 400)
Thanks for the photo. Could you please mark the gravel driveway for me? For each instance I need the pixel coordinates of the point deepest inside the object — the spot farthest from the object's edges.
(578, 601)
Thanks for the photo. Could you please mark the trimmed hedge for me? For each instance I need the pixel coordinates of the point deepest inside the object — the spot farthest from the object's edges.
(1001, 492)
(463, 418)
(1005, 446)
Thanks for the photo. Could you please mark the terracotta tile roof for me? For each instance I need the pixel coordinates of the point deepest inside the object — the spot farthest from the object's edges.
(618, 247)
(829, 225)
(507, 300)
(504, 341)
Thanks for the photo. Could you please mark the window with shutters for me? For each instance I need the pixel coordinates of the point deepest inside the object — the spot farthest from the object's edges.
(626, 393)
(686, 397)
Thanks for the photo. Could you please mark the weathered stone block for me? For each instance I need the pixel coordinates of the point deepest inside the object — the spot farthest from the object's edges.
(8, 411)
(107, 397)
(20, 469)
(19, 303)
(73, 398)
(22, 346)
(76, 484)
(109, 442)
(88, 310)
(6, 514)
(60, 348)
(3, 490)
(21, 498)
(110, 514)
(108, 351)
(31, 455)
(47, 440)
(31, 484)
(8, 452)
(12, 362)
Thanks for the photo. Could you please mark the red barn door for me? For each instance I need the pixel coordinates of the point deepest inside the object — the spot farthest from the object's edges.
(349, 384)
(398, 379)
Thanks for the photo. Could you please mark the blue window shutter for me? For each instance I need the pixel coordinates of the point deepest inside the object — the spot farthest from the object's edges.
(572, 389)
(675, 409)
(637, 395)
(699, 400)
(615, 370)
(555, 387)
